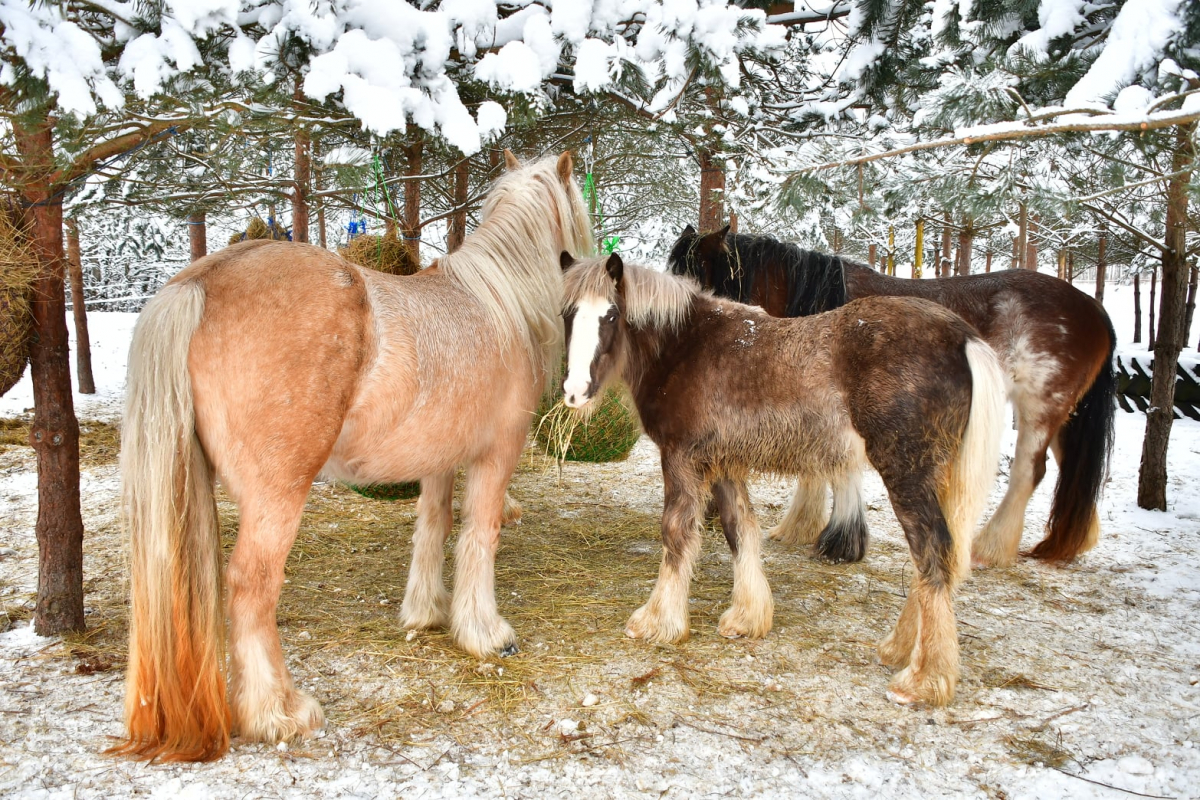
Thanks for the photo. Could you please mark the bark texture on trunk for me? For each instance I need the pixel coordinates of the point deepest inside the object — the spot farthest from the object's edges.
(966, 241)
(302, 186)
(54, 434)
(1189, 311)
(1152, 478)
(198, 234)
(83, 342)
(415, 156)
(1022, 237)
(458, 220)
(1137, 308)
(944, 263)
(1101, 264)
(712, 192)
(1152, 329)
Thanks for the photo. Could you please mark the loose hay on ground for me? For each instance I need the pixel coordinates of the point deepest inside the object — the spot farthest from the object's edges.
(567, 578)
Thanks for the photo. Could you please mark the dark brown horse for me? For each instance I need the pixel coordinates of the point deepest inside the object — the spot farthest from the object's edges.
(725, 390)
(1054, 342)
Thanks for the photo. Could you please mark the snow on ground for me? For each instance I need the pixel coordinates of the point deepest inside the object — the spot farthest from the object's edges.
(1079, 682)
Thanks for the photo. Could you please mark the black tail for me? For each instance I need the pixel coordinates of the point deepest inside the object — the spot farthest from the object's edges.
(1087, 444)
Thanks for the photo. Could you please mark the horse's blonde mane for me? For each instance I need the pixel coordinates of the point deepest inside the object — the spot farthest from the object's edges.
(510, 262)
(652, 298)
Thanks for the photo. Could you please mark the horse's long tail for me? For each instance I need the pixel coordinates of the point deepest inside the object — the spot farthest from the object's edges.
(175, 703)
(973, 471)
(1086, 444)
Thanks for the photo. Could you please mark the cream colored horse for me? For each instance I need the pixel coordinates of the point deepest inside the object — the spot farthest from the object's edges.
(270, 362)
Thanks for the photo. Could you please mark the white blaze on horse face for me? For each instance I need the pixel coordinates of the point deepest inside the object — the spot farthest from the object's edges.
(585, 340)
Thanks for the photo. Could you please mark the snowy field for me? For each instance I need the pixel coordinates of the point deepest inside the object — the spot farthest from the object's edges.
(1079, 682)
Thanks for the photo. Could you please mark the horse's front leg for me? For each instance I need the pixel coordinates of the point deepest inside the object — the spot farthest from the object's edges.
(805, 516)
(426, 601)
(266, 704)
(752, 609)
(475, 623)
(664, 617)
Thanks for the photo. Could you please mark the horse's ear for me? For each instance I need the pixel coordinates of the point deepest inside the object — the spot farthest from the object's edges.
(615, 268)
(688, 231)
(566, 166)
(510, 161)
(566, 260)
(723, 232)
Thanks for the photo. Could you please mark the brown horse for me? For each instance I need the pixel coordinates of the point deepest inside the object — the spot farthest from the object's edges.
(724, 390)
(270, 362)
(1054, 342)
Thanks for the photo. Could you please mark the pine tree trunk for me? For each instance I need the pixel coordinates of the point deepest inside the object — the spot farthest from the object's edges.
(197, 235)
(54, 433)
(302, 186)
(1189, 311)
(1152, 330)
(712, 191)
(1020, 250)
(966, 241)
(944, 263)
(891, 255)
(1016, 253)
(872, 255)
(987, 263)
(1030, 245)
(458, 220)
(1137, 307)
(1101, 264)
(415, 155)
(1071, 267)
(1062, 265)
(1152, 478)
(83, 342)
(319, 182)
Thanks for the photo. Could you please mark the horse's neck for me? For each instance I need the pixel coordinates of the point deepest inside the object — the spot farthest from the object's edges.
(650, 345)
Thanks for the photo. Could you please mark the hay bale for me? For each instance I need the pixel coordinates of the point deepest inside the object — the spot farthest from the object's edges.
(18, 270)
(606, 432)
(387, 253)
(258, 229)
(389, 492)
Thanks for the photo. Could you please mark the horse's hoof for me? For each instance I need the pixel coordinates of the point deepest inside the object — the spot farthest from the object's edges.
(901, 699)
(510, 649)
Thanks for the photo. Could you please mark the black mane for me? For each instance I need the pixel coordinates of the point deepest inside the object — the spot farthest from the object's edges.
(815, 281)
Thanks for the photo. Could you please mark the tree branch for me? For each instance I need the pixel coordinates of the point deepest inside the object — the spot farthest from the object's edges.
(1163, 121)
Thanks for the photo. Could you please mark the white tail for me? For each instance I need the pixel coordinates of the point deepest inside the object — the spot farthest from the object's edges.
(974, 470)
(175, 703)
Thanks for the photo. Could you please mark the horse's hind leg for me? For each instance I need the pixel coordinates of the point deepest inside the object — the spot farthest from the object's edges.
(925, 639)
(805, 516)
(475, 623)
(266, 704)
(752, 608)
(998, 542)
(426, 601)
(845, 536)
(664, 617)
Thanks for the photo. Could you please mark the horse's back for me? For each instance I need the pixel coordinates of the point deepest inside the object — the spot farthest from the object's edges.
(277, 357)
(901, 363)
(996, 303)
